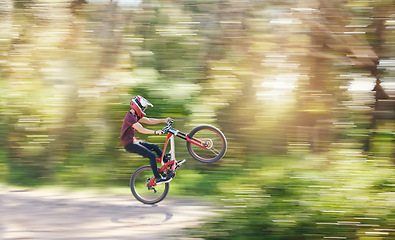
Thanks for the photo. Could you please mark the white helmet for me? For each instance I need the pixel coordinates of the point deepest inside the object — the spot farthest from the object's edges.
(139, 104)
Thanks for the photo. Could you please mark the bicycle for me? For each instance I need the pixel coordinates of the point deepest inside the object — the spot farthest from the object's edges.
(205, 144)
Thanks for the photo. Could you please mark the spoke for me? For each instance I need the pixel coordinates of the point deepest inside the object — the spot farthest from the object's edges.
(215, 151)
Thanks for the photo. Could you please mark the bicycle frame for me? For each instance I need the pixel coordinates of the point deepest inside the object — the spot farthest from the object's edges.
(170, 138)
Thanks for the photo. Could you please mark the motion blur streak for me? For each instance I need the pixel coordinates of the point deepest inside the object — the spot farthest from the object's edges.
(303, 90)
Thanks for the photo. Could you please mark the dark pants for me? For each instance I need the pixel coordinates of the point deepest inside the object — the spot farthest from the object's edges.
(146, 150)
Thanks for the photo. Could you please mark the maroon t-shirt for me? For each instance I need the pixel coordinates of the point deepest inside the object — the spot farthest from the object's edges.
(127, 131)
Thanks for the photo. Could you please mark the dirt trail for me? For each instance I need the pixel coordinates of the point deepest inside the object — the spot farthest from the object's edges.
(54, 214)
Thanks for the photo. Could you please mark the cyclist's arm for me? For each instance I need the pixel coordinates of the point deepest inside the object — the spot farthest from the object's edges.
(142, 129)
(153, 121)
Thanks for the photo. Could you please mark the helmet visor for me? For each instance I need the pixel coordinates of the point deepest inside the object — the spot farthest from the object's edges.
(144, 103)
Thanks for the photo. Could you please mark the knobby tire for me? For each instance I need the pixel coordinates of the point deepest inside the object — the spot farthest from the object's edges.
(217, 144)
(141, 192)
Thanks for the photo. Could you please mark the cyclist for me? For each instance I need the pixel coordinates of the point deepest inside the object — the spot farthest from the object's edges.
(131, 123)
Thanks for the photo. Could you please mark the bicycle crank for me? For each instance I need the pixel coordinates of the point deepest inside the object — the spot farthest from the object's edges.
(170, 173)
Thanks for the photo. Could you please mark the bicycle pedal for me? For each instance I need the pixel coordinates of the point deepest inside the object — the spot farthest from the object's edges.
(179, 163)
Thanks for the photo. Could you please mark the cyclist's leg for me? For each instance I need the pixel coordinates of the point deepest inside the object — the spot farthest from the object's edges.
(152, 147)
(145, 152)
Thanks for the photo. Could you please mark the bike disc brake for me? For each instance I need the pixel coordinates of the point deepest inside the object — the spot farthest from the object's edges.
(147, 181)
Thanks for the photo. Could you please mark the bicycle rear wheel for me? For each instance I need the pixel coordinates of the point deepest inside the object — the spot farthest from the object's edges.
(214, 142)
(140, 190)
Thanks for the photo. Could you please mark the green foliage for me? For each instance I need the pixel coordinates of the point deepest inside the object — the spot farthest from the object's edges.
(22, 3)
(291, 202)
(277, 77)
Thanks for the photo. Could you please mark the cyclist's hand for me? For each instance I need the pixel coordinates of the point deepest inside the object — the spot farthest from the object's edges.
(168, 119)
(159, 132)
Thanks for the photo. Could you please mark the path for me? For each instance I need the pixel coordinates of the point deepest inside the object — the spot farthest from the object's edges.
(55, 214)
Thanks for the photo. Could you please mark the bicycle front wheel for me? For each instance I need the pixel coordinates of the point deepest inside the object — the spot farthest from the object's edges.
(140, 189)
(211, 145)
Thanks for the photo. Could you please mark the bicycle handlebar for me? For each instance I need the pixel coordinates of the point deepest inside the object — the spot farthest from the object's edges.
(168, 126)
(170, 129)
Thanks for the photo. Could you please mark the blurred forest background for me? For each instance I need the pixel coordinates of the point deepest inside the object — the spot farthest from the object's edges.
(303, 90)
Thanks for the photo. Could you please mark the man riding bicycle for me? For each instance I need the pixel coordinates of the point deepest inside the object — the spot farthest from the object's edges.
(131, 123)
